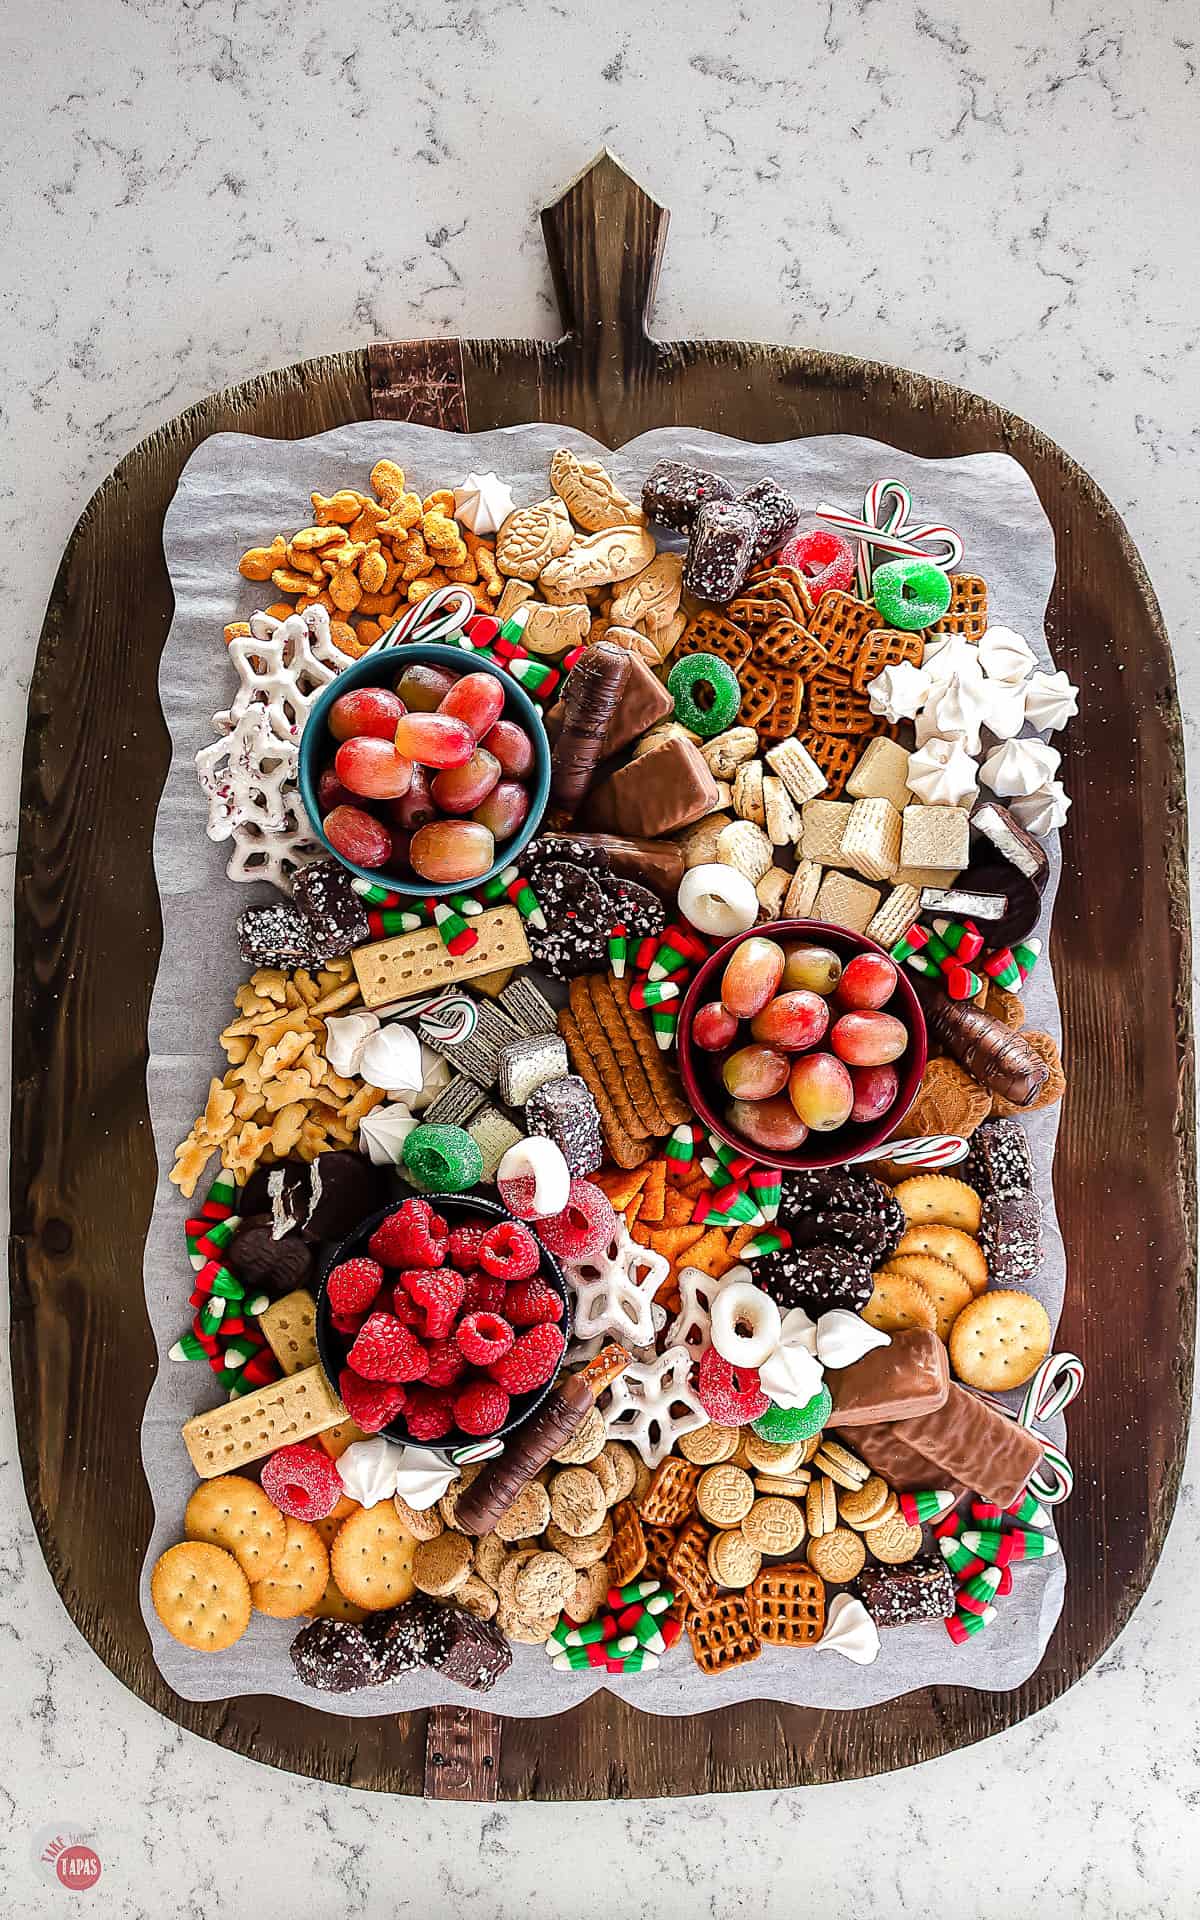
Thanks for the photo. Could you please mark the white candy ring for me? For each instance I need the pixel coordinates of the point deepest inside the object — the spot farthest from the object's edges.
(534, 1178)
(745, 1324)
(718, 900)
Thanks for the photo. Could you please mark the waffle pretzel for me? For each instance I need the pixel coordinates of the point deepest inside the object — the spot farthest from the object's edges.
(784, 717)
(627, 1555)
(758, 693)
(886, 647)
(834, 709)
(841, 624)
(968, 610)
(782, 583)
(687, 1565)
(785, 645)
(759, 612)
(671, 1495)
(710, 632)
(836, 756)
(660, 1545)
(789, 1605)
(724, 1635)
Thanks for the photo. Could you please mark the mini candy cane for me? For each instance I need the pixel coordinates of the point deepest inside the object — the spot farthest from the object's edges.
(436, 617)
(1053, 1387)
(932, 1150)
(885, 524)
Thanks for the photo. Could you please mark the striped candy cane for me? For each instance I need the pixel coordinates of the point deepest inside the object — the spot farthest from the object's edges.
(436, 617)
(932, 1150)
(1053, 1387)
(886, 526)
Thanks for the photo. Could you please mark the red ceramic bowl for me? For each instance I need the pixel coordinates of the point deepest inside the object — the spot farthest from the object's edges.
(820, 1149)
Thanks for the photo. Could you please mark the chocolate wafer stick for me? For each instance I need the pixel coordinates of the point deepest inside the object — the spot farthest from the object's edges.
(622, 1147)
(589, 701)
(1000, 1059)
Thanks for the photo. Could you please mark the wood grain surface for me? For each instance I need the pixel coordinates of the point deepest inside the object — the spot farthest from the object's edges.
(88, 934)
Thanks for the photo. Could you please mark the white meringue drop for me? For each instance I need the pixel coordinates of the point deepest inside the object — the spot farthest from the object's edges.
(898, 692)
(844, 1337)
(792, 1374)
(943, 774)
(1050, 701)
(1003, 709)
(953, 711)
(483, 503)
(1005, 655)
(1044, 810)
(346, 1034)
(422, 1477)
(850, 1631)
(368, 1469)
(950, 655)
(383, 1131)
(1019, 767)
(391, 1059)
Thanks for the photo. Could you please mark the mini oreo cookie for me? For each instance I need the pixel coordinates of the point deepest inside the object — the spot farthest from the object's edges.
(999, 1162)
(325, 892)
(398, 1637)
(334, 1656)
(1010, 1233)
(257, 1257)
(816, 1278)
(473, 1653)
(577, 921)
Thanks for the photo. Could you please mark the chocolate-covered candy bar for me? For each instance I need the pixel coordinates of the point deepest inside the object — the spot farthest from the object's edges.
(673, 493)
(961, 904)
(641, 704)
(721, 550)
(889, 1453)
(500, 1480)
(1012, 842)
(282, 936)
(999, 1058)
(1022, 899)
(775, 511)
(590, 697)
(657, 864)
(662, 790)
(903, 1381)
(898, 1596)
(968, 1442)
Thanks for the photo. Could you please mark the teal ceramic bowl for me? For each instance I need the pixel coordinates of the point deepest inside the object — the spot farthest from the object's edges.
(383, 669)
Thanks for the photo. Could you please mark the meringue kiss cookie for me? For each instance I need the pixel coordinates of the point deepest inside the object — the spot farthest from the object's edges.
(955, 710)
(1050, 701)
(346, 1034)
(422, 1477)
(1017, 768)
(843, 1338)
(942, 774)
(383, 1131)
(899, 692)
(391, 1059)
(718, 900)
(1005, 655)
(850, 1631)
(1045, 810)
(368, 1470)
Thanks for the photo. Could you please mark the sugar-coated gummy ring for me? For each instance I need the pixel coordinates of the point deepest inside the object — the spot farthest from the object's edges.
(744, 1324)
(704, 670)
(824, 558)
(442, 1159)
(910, 594)
(795, 1423)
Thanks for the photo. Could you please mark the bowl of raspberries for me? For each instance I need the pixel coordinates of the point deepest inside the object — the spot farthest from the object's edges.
(442, 1321)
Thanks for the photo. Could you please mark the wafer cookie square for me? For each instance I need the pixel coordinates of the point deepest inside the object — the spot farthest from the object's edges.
(801, 894)
(747, 848)
(846, 902)
(871, 840)
(822, 825)
(895, 916)
(882, 774)
(936, 837)
(797, 769)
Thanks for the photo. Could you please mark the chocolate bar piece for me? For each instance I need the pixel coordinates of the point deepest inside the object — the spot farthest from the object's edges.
(473, 1653)
(673, 493)
(642, 702)
(657, 864)
(500, 1480)
(593, 689)
(1022, 899)
(325, 892)
(958, 902)
(967, 1443)
(903, 1381)
(897, 1596)
(1011, 841)
(662, 790)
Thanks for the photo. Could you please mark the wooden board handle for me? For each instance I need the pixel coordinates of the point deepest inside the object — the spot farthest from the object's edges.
(605, 239)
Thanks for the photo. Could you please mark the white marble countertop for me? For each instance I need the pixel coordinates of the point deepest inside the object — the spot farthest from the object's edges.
(196, 194)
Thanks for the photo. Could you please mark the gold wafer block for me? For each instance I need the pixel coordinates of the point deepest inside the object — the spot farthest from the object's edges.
(230, 1436)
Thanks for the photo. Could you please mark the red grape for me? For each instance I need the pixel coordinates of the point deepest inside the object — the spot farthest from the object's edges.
(369, 710)
(875, 1090)
(505, 810)
(401, 842)
(416, 806)
(816, 969)
(434, 739)
(358, 836)
(713, 1026)
(868, 982)
(868, 1039)
(821, 1091)
(792, 1021)
(478, 699)
(372, 767)
(449, 850)
(751, 975)
(330, 791)
(423, 688)
(755, 1073)
(512, 747)
(462, 789)
(772, 1124)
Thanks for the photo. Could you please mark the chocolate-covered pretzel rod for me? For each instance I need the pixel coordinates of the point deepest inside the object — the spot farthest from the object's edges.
(569, 1402)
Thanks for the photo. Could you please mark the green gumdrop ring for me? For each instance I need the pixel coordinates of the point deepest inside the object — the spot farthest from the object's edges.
(442, 1159)
(784, 1424)
(910, 594)
(724, 689)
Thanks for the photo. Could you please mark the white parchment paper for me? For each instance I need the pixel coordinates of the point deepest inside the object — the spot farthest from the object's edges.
(237, 491)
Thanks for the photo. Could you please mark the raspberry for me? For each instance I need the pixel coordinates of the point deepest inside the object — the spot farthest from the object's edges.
(413, 1236)
(370, 1404)
(384, 1350)
(405, 1307)
(446, 1363)
(509, 1251)
(530, 1302)
(483, 1338)
(302, 1480)
(483, 1293)
(481, 1407)
(729, 1395)
(438, 1291)
(465, 1242)
(429, 1414)
(352, 1286)
(347, 1324)
(530, 1361)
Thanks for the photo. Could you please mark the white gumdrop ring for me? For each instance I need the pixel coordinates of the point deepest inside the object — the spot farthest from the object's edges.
(718, 900)
(534, 1178)
(744, 1324)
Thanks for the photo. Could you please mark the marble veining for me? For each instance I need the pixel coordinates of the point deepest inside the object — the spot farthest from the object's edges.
(196, 194)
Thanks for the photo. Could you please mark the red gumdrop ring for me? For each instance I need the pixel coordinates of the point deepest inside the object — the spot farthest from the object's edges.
(730, 1395)
(303, 1481)
(825, 560)
(584, 1227)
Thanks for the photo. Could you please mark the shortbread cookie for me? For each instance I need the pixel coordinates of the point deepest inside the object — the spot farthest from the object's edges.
(1000, 1340)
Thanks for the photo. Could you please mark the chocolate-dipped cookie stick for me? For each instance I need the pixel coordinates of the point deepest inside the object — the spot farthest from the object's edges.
(590, 698)
(998, 1058)
(568, 1403)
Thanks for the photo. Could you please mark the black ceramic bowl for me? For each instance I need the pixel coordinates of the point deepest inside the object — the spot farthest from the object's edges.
(454, 1208)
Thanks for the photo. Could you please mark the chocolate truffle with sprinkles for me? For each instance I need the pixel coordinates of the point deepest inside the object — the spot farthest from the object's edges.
(1010, 1233)
(816, 1278)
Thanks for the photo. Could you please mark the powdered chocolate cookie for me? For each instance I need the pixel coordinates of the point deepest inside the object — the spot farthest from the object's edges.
(816, 1277)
